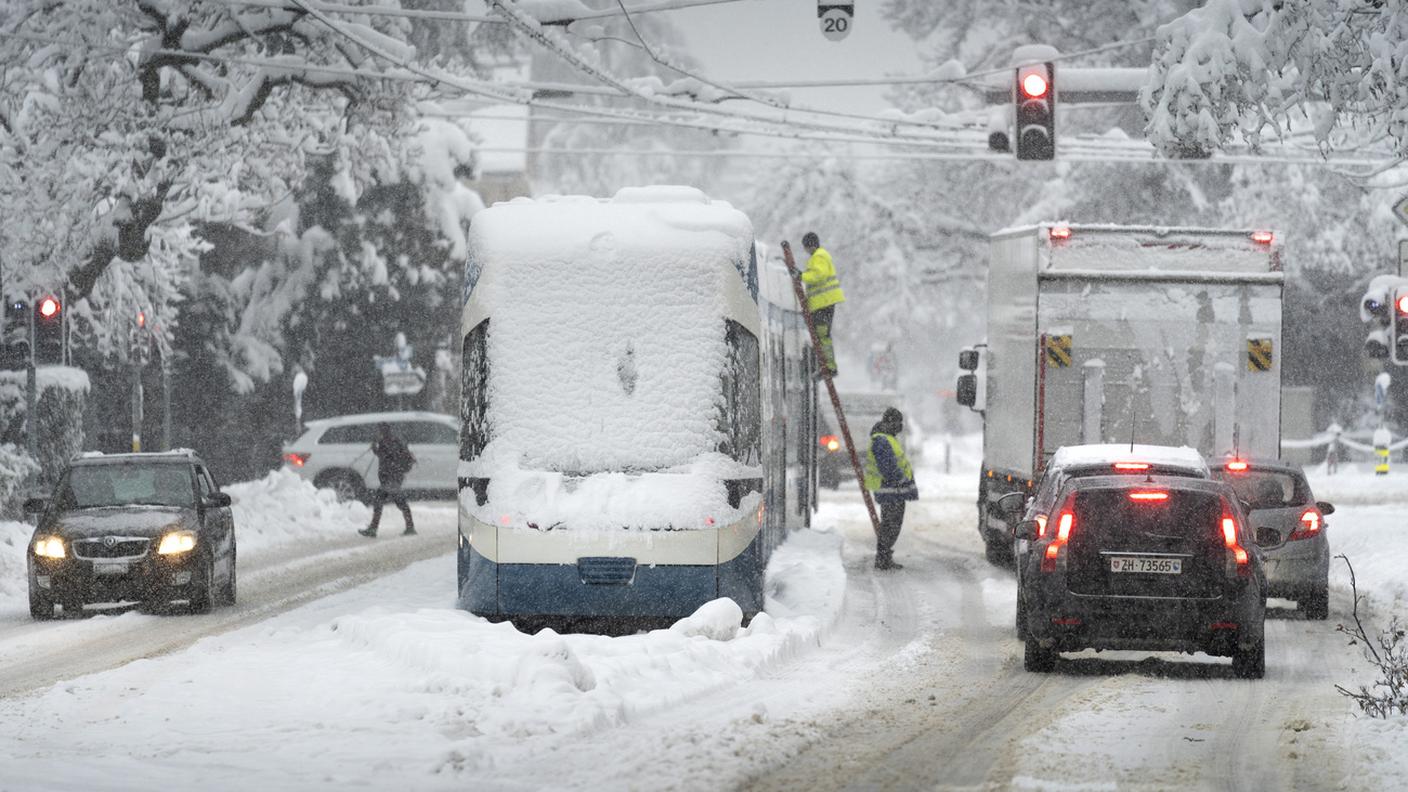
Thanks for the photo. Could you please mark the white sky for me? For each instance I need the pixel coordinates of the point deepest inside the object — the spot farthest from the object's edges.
(781, 39)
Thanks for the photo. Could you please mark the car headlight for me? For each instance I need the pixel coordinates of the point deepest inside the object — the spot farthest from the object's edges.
(177, 542)
(49, 547)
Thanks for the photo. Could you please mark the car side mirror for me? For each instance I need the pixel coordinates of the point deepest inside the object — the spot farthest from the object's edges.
(1268, 537)
(218, 500)
(34, 505)
(1012, 504)
(1026, 529)
(1325, 507)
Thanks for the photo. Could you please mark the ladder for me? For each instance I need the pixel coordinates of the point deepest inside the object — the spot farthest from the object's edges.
(830, 386)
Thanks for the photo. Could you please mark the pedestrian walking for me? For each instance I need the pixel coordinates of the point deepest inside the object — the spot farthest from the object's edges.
(890, 478)
(823, 295)
(394, 461)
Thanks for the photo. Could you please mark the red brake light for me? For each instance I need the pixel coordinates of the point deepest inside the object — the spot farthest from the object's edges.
(1264, 237)
(1034, 86)
(1310, 522)
(1148, 496)
(1237, 466)
(1060, 232)
(830, 442)
(296, 460)
(1064, 525)
(1229, 538)
(1132, 466)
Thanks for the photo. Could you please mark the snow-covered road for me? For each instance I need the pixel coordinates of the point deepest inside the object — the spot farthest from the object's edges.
(868, 681)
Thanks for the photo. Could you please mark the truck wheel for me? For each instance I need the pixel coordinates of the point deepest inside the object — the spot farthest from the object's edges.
(1317, 604)
(1038, 660)
(1250, 663)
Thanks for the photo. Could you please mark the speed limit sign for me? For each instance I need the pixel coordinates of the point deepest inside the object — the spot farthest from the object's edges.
(836, 18)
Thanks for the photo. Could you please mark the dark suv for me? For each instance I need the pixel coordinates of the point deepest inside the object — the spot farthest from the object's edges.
(147, 528)
(1162, 563)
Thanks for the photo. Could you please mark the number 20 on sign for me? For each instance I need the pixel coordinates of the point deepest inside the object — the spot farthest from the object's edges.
(835, 18)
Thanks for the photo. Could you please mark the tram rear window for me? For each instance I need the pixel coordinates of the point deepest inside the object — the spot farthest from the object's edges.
(740, 416)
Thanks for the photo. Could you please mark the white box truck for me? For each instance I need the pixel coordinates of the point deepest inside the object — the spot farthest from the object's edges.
(1115, 334)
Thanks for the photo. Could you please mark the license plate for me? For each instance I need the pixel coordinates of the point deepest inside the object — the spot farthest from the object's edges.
(109, 567)
(1147, 565)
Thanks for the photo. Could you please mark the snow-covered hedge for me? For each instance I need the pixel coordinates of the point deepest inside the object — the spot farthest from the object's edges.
(62, 399)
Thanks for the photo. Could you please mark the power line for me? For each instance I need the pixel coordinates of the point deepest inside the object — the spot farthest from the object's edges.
(460, 16)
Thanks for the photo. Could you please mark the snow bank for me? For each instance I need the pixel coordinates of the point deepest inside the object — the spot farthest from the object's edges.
(313, 698)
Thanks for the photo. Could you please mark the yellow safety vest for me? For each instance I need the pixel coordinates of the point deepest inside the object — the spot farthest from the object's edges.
(873, 481)
(823, 287)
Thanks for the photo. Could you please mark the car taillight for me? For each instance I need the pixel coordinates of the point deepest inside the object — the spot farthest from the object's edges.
(1229, 539)
(1131, 467)
(1310, 522)
(1148, 496)
(1064, 525)
(296, 460)
(830, 442)
(1237, 466)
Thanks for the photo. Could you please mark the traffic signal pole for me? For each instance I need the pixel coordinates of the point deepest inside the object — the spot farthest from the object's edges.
(830, 386)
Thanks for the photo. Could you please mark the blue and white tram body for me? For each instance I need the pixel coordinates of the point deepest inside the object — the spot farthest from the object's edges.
(637, 409)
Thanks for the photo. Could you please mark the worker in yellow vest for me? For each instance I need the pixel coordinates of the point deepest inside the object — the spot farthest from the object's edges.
(890, 479)
(823, 293)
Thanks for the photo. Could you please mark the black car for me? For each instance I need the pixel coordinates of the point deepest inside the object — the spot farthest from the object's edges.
(146, 528)
(1160, 563)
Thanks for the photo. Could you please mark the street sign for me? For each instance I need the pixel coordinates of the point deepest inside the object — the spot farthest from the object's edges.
(836, 18)
(403, 383)
(1400, 210)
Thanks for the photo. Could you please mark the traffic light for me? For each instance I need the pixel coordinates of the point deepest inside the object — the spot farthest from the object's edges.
(1400, 326)
(48, 330)
(1036, 111)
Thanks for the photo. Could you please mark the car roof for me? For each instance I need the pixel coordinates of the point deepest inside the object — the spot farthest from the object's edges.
(1275, 465)
(379, 417)
(1181, 457)
(94, 458)
(1123, 482)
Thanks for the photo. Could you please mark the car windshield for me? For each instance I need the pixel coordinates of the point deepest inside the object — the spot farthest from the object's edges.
(1268, 489)
(94, 486)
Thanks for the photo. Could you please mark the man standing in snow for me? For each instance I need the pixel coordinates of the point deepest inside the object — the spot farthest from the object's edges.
(890, 477)
(823, 294)
(394, 460)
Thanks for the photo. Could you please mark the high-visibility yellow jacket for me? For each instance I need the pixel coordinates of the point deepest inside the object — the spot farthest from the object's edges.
(823, 287)
(887, 471)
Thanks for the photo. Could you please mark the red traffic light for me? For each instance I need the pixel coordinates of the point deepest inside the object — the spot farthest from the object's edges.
(1034, 86)
(49, 307)
(1402, 303)
(141, 319)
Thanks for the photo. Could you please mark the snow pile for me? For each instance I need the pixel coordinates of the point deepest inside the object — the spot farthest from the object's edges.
(14, 576)
(455, 694)
(282, 507)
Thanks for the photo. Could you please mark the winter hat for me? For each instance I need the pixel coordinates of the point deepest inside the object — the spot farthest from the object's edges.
(892, 417)
(810, 239)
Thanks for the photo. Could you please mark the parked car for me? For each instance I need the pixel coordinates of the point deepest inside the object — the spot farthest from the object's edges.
(335, 453)
(1076, 461)
(1160, 563)
(147, 528)
(1278, 497)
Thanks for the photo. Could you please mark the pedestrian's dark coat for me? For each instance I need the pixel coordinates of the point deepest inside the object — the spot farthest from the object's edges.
(394, 460)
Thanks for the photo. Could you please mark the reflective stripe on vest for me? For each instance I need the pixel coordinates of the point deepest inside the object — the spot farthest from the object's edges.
(873, 480)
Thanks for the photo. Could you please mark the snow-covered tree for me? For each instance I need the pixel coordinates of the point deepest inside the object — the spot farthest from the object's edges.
(126, 125)
(1246, 69)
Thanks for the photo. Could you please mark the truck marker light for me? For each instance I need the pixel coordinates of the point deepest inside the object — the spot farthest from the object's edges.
(1237, 466)
(1148, 497)
(1131, 466)
(1060, 232)
(1264, 237)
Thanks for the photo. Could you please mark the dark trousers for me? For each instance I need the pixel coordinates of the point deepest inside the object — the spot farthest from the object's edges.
(891, 518)
(383, 494)
(823, 319)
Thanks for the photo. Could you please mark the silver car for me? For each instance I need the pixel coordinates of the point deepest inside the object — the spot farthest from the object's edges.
(1277, 496)
(335, 453)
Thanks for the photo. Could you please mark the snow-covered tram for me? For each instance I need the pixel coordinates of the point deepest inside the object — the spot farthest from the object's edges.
(637, 408)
